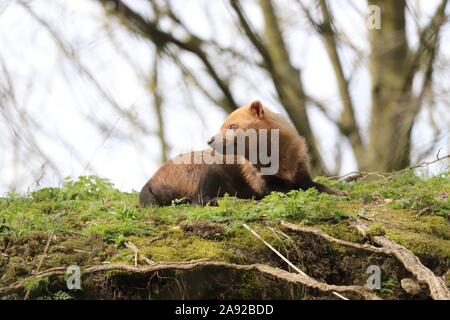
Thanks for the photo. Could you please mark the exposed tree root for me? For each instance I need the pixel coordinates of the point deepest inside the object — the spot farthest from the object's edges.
(324, 235)
(437, 286)
(277, 273)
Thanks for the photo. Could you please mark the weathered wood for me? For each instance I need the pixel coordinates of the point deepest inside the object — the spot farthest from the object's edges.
(437, 286)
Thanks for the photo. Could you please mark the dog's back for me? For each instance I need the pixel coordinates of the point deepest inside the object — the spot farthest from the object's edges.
(201, 183)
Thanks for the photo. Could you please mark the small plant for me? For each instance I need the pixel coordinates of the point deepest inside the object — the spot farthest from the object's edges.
(176, 202)
(88, 188)
(62, 295)
(119, 240)
(125, 212)
(387, 287)
(36, 285)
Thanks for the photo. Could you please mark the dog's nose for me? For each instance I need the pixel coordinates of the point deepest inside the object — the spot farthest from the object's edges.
(211, 141)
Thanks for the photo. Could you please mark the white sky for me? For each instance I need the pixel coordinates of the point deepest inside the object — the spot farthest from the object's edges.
(65, 104)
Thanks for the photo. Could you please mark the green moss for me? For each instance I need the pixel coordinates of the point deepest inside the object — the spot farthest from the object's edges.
(423, 245)
(250, 282)
(342, 231)
(376, 229)
(188, 249)
(424, 235)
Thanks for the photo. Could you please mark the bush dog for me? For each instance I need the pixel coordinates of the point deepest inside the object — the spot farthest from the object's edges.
(203, 177)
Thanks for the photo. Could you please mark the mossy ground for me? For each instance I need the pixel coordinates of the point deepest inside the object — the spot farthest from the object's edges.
(89, 222)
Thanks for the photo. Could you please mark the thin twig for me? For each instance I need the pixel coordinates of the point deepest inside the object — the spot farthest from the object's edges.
(356, 175)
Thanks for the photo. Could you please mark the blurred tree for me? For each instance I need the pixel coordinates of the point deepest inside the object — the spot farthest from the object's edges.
(393, 67)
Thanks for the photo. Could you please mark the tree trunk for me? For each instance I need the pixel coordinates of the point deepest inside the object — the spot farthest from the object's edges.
(288, 83)
(391, 121)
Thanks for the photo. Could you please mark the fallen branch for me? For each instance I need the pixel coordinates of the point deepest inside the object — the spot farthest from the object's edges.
(437, 286)
(44, 254)
(264, 269)
(427, 163)
(324, 235)
(356, 175)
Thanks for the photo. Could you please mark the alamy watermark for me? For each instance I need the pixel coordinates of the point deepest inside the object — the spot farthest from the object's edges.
(73, 277)
(373, 20)
(374, 280)
(259, 147)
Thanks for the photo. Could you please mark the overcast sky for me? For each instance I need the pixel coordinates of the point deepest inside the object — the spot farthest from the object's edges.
(50, 88)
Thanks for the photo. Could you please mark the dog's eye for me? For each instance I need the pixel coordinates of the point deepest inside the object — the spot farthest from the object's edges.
(232, 126)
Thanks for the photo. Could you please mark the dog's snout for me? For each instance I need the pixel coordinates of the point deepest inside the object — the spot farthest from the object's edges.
(211, 141)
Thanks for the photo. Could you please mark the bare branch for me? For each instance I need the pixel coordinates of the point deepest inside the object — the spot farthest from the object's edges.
(285, 77)
(70, 53)
(347, 125)
(150, 30)
(158, 103)
(428, 42)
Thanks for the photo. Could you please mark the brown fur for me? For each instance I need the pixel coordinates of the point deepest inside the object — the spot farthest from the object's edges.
(202, 183)
(205, 183)
(294, 172)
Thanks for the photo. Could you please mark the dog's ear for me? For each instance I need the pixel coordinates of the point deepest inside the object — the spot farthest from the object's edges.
(257, 109)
